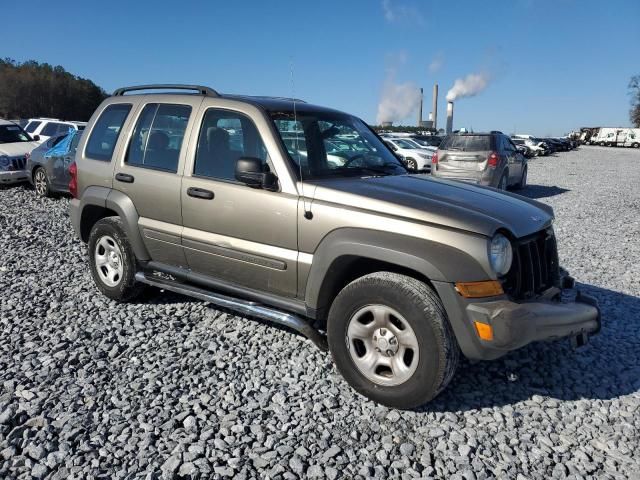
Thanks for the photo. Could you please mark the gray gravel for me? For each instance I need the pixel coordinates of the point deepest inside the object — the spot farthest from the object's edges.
(170, 387)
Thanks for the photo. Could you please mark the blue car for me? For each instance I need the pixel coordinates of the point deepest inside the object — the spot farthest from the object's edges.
(48, 165)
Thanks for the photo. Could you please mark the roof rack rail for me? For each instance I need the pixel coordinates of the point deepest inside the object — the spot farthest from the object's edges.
(207, 91)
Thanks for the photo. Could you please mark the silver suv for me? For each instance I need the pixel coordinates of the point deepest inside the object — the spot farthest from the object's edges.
(483, 158)
(247, 203)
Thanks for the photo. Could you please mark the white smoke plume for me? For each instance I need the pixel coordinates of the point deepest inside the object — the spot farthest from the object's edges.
(471, 85)
(398, 100)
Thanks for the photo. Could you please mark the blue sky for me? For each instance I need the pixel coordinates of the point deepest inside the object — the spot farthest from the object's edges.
(551, 66)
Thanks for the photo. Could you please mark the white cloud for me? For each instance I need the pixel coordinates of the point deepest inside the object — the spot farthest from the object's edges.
(436, 63)
(395, 13)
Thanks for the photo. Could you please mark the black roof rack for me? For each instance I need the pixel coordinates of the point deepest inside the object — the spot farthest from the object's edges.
(207, 91)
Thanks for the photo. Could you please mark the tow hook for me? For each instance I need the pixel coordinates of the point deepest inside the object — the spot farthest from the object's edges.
(579, 340)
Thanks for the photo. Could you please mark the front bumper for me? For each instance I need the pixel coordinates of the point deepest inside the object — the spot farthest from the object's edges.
(13, 176)
(516, 324)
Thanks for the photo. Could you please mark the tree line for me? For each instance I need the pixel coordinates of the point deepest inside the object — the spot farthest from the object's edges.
(32, 89)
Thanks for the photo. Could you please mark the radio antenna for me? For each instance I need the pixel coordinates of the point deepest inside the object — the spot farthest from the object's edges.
(307, 211)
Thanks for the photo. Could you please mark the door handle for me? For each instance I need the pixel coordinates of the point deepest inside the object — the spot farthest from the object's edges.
(200, 193)
(124, 177)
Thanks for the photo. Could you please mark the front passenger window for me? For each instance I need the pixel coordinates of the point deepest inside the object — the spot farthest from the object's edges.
(225, 137)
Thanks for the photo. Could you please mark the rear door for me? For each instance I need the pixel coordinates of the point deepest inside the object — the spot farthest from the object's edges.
(149, 171)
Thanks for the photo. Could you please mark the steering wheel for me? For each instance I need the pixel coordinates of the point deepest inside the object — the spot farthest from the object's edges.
(352, 159)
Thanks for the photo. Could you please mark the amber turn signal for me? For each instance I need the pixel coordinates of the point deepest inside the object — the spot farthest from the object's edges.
(489, 288)
(485, 332)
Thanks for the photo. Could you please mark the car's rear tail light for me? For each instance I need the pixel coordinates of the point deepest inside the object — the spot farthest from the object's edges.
(493, 160)
(73, 183)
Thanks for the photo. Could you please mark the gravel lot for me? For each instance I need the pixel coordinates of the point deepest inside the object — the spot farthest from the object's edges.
(172, 387)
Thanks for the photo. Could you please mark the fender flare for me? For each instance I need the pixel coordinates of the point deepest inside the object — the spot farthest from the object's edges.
(123, 206)
(433, 260)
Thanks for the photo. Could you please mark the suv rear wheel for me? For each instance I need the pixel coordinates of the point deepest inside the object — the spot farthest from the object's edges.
(523, 180)
(390, 339)
(113, 264)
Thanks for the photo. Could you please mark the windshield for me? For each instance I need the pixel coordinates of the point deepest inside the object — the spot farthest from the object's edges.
(405, 143)
(13, 134)
(325, 145)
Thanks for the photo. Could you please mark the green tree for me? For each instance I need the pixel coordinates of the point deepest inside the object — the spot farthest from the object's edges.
(634, 91)
(32, 89)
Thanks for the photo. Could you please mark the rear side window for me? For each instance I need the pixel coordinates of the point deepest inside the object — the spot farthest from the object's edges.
(32, 126)
(157, 138)
(63, 128)
(50, 129)
(467, 143)
(106, 131)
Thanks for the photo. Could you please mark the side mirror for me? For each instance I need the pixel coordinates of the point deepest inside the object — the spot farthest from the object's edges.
(249, 170)
(36, 138)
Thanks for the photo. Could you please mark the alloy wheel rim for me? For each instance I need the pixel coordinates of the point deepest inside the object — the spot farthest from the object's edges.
(382, 345)
(108, 260)
(41, 183)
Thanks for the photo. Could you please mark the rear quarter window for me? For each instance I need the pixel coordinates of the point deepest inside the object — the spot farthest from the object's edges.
(467, 143)
(106, 132)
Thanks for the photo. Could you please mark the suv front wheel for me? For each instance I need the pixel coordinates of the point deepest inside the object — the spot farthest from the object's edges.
(113, 264)
(390, 339)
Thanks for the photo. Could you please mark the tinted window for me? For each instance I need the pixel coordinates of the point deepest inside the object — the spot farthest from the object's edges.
(63, 129)
(106, 132)
(12, 134)
(466, 143)
(32, 126)
(50, 129)
(158, 136)
(224, 138)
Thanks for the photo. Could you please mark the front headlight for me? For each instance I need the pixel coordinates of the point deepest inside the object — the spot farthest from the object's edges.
(4, 161)
(500, 254)
(424, 155)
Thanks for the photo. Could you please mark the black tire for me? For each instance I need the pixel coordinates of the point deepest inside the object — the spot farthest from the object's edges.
(422, 309)
(127, 288)
(523, 180)
(503, 183)
(635, 145)
(411, 163)
(41, 183)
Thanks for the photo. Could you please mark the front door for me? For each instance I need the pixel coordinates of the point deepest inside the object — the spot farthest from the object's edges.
(150, 170)
(233, 232)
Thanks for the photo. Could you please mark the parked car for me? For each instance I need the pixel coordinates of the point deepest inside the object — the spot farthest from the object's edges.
(483, 158)
(537, 147)
(524, 148)
(402, 271)
(46, 128)
(428, 140)
(48, 165)
(15, 144)
(415, 156)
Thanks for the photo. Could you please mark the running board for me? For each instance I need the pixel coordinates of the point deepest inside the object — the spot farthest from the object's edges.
(246, 307)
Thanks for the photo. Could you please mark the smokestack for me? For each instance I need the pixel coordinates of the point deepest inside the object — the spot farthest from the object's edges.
(420, 108)
(434, 109)
(449, 117)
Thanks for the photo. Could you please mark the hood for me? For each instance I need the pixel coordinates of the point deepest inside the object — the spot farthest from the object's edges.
(17, 149)
(457, 205)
